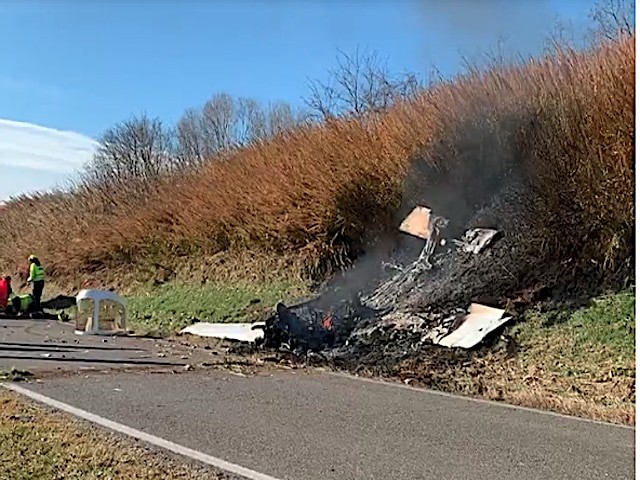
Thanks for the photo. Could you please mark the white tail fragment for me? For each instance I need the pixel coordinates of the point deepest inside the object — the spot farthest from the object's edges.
(242, 332)
(478, 323)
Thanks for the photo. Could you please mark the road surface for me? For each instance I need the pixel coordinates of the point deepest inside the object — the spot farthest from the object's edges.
(308, 426)
(43, 346)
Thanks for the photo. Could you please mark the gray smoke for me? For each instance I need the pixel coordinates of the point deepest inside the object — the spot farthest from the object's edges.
(478, 26)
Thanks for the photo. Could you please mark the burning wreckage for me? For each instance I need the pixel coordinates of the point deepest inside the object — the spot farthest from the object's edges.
(329, 322)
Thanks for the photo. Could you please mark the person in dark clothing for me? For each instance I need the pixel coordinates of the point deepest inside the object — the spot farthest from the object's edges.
(36, 278)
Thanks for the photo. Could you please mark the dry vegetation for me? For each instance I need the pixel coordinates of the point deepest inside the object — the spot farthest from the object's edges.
(318, 194)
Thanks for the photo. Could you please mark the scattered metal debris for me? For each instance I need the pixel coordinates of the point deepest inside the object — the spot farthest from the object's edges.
(457, 328)
(476, 240)
(422, 224)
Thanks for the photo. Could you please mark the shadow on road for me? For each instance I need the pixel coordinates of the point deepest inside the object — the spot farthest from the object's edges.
(65, 346)
(111, 361)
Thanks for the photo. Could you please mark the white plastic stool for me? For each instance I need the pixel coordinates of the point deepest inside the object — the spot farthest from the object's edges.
(100, 312)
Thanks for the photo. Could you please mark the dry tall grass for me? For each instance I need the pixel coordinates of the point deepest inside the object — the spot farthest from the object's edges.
(566, 122)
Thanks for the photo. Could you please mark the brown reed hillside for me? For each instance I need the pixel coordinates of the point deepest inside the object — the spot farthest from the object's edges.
(565, 123)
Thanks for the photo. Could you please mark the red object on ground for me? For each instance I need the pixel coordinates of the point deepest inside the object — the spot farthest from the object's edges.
(4, 293)
(327, 321)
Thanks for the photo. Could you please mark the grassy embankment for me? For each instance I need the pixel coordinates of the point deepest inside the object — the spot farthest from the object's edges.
(579, 363)
(314, 197)
(168, 308)
(292, 208)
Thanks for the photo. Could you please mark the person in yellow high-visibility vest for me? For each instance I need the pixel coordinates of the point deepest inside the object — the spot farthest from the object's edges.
(36, 279)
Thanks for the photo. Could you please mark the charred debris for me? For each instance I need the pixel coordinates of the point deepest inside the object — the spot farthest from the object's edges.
(345, 318)
(331, 321)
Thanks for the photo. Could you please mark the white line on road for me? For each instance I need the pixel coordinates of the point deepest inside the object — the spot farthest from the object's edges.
(145, 437)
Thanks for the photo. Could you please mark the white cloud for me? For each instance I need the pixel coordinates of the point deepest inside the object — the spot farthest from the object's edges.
(26, 145)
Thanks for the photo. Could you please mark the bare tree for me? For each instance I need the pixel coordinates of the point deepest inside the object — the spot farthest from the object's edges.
(321, 101)
(407, 86)
(190, 137)
(137, 149)
(280, 118)
(218, 123)
(251, 122)
(614, 18)
(360, 83)
(224, 123)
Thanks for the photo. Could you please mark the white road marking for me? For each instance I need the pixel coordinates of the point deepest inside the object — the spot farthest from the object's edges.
(145, 437)
(476, 400)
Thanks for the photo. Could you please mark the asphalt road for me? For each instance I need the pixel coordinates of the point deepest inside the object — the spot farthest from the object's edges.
(49, 346)
(308, 426)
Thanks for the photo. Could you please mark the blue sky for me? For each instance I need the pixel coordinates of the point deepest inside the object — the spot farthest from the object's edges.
(81, 66)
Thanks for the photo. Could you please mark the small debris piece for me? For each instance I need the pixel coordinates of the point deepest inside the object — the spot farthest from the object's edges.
(418, 223)
(15, 375)
(476, 240)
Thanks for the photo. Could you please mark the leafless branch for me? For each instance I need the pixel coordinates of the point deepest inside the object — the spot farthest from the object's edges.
(360, 83)
(614, 18)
